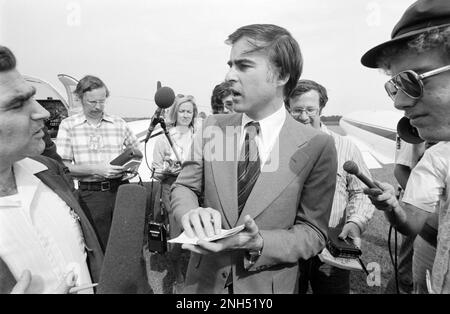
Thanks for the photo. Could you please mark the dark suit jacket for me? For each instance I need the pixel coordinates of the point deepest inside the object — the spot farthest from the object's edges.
(60, 182)
(291, 205)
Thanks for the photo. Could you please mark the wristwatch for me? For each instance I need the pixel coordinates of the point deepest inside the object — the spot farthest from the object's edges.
(252, 256)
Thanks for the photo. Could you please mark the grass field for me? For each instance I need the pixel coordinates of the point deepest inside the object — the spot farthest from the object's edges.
(374, 247)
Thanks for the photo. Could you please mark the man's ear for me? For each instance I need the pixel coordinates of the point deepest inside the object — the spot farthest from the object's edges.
(283, 80)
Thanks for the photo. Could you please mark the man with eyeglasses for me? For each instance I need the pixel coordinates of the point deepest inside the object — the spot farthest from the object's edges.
(351, 210)
(417, 58)
(87, 142)
(222, 99)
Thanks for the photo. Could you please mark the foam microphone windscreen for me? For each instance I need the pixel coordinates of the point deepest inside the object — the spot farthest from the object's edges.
(124, 268)
(164, 97)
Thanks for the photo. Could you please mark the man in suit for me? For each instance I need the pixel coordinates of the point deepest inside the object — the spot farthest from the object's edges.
(257, 167)
(43, 248)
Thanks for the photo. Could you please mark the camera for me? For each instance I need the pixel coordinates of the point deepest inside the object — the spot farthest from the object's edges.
(157, 237)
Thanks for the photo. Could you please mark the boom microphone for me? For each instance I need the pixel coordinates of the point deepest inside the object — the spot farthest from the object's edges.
(352, 168)
(164, 98)
(123, 269)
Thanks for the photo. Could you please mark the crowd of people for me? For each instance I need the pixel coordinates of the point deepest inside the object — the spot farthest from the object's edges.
(263, 160)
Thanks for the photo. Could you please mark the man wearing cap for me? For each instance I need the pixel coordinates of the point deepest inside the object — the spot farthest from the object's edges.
(417, 58)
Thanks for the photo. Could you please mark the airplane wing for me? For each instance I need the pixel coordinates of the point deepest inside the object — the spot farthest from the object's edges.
(374, 133)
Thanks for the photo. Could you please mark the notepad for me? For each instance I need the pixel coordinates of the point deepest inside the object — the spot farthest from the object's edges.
(184, 239)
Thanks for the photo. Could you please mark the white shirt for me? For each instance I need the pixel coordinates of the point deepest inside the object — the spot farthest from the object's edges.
(270, 128)
(428, 188)
(39, 232)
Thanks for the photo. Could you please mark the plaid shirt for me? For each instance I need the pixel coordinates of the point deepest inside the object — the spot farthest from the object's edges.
(350, 204)
(83, 143)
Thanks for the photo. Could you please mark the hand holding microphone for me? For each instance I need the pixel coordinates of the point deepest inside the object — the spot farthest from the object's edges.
(382, 195)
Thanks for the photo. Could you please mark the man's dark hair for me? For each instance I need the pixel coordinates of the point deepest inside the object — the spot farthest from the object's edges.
(7, 59)
(282, 49)
(221, 91)
(304, 86)
(88, 83)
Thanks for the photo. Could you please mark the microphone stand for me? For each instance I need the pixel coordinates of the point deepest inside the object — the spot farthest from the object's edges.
(161, 121)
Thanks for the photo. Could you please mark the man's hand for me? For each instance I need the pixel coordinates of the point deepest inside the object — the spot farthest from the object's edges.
(352, 231)
(108, 171)
(383, 198)
(248, 239)
(63, 287)
(201, 222)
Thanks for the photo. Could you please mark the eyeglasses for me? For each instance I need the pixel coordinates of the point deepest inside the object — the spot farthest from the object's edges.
(410, 83)
(98, 102)
(309, 111)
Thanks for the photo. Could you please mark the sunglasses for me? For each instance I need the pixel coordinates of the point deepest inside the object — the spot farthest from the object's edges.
(410, 83)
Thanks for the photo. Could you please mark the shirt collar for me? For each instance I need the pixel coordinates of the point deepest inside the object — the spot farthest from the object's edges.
(268, 124)
(31, 166)
(24, 171)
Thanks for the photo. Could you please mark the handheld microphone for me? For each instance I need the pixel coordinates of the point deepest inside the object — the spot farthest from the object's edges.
(123, 269)
(164, 98)
(352, 168)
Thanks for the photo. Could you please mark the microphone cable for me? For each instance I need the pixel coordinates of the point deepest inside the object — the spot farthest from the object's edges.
(394, 259)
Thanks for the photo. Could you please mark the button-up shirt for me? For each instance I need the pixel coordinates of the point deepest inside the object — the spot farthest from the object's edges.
(266, 140)
(39, 232)
(350, 204)
(83, 143)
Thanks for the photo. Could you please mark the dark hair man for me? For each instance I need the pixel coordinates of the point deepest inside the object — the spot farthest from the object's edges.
(417, 59)
(276, 177)
(222, 99)
(42, 246)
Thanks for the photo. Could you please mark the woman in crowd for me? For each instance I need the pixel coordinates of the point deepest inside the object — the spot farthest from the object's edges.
(181, 124)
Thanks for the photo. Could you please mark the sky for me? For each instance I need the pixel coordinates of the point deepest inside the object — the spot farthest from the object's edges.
(132, 44)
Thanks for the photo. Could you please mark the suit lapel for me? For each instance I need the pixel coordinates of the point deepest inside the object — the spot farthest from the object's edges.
(56, 183)
(286, 161)
(225, 170)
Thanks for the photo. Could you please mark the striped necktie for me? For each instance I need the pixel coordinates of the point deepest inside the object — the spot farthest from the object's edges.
(249, 165)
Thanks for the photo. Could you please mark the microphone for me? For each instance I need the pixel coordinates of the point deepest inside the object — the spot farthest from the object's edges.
(164, 98)
(123, 269)
(352, 168)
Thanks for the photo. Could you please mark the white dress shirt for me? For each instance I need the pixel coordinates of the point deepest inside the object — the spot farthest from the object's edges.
(39, 232)
(266, 140)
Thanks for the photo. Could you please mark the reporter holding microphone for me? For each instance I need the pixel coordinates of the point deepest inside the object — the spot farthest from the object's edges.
(417, 59)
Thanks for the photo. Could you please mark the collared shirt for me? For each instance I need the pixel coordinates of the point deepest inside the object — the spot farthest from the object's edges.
(83, 143)
(428, 188)
(39, 232)
(270, 128)
(350, 204)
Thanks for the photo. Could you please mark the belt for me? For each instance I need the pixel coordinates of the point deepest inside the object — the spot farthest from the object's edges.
(103, 186)
(429, 234)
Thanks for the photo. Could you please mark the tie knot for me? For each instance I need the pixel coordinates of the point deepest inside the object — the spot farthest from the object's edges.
(253, 128)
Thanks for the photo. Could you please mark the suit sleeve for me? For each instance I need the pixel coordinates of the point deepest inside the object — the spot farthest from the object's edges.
(307, 237)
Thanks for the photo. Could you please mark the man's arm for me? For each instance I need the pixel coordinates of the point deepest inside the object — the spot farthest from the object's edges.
(406, 218)
(359, 210)
(307, 237)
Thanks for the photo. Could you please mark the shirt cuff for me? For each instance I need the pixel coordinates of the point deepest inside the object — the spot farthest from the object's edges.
(360, 221)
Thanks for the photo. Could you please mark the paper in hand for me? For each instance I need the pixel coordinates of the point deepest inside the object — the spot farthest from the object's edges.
(184, 239)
